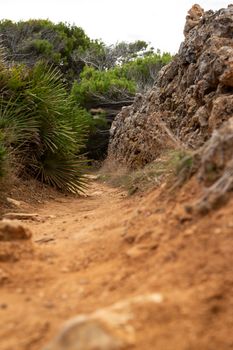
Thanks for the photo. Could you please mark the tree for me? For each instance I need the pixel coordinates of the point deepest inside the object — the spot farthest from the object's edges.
(97, 87)
(102, 57)
(29, 41)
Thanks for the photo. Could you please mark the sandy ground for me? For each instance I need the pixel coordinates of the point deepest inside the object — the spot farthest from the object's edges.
(88, 253)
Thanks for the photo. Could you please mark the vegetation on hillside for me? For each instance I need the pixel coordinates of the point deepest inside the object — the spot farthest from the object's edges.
(60, 91)
(118, 83)
(43, 131)
(29, 41)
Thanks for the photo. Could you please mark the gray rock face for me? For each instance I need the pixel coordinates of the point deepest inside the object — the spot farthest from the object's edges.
(192, 96)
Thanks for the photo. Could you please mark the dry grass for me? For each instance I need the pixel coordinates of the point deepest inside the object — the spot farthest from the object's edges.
(174, 165)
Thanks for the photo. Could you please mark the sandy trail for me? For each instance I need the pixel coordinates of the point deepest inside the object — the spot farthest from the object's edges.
(70, 270)
(98, 250)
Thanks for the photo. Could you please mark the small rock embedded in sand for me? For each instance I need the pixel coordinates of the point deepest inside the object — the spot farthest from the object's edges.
(45, 240)
(14, 202)
(13, 231)
(137, 251)
(86, 335)
(105, 329)
(21, 216)
(97, 193)
(3, 277)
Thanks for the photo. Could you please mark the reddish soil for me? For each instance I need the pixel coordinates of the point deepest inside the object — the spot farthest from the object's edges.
(101, 249)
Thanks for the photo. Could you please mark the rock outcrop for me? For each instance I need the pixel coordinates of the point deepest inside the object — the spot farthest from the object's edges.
(192, 97)
(216, 169)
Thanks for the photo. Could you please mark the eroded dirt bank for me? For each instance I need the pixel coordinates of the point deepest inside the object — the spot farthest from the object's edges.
(92, 252)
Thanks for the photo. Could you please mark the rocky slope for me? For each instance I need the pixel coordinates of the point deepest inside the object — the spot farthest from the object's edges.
(191, 98)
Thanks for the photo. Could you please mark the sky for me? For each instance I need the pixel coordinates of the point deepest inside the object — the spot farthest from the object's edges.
(159, 23)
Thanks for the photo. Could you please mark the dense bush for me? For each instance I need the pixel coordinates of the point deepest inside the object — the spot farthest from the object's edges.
(33, 40)
(96, 85)
(144, 70)
(121, 82)
(42, 46)
(42, 127)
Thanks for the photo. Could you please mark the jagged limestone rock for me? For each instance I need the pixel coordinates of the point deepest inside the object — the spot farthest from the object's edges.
(193, 95)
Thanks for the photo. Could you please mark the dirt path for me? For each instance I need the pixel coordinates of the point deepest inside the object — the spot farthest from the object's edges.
(98, 250)
(71, 271)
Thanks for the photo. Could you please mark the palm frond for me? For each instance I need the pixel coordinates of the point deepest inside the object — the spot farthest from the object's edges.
(60, 171)
(45, 129)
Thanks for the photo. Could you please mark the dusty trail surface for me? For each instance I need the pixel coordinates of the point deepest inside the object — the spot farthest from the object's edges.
(89, 253)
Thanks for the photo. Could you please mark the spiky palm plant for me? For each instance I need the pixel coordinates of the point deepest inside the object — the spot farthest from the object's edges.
(44, 128)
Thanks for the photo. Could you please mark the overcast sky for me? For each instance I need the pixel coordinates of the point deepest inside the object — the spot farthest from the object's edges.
(159, 22)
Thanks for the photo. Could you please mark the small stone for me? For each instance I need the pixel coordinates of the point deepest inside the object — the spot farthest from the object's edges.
(84, 281)
(49, 305)
(45, 240)
(41, 294)
(3, 277)
(65, 269)
(13, 231)
(110, 328)
(97, 193)
(14, 202)
(51, 216)
(21, 216)
(86, 334)
(129, 238)
(19, 291)
(138, 251)
(189, 232)
(183, 216)
(218, 231)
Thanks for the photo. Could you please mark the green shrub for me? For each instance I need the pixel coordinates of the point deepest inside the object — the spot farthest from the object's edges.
(44, 129)
(143, 70)
(42, 46)
(101, 86)
(28, 41)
